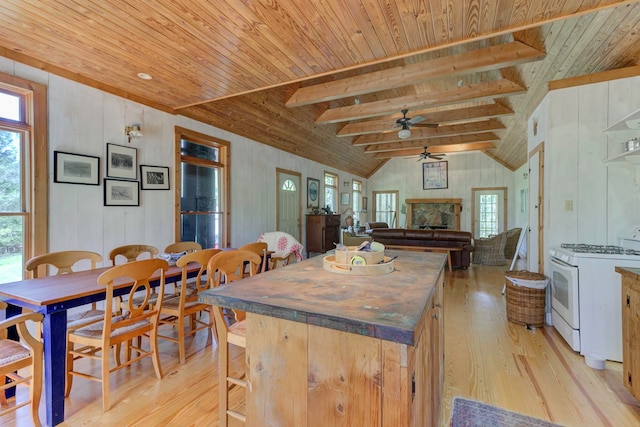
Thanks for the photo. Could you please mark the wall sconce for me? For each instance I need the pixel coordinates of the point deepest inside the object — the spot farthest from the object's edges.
(133, 132)
(346, 183)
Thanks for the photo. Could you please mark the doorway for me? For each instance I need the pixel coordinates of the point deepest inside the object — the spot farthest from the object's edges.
(535, 259)
(288, 202)
(489, 211)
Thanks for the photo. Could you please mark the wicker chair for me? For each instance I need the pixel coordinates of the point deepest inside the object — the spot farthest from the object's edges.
(490, 251)
(513, 236)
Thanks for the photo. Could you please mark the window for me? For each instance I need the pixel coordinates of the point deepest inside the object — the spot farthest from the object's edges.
(356, 197)
(23, 233)
(385, 207)
(289, 185)
(488, 215)
(331, 191)
(203, 173)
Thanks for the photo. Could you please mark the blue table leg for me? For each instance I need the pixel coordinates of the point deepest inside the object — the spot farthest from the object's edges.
(55, 353)
(12, 333)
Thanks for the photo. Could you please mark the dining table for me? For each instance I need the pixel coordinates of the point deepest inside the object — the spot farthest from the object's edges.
(53, 296)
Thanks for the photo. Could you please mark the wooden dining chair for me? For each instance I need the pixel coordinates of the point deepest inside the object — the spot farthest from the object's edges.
(179, 247)
(64, 261)
(228, 267)
(139, 320)
(260, 248)
(186, 304)
(131, 252)
(15, 356)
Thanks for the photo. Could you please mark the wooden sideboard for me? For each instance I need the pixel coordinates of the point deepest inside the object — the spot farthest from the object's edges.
(630, 329)
(322, 232)
(357, 351)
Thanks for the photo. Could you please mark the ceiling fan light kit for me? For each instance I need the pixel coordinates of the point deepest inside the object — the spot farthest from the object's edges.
(404, 133)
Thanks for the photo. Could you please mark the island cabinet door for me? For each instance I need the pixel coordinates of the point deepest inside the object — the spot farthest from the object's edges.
(631, 334)
(309, 376)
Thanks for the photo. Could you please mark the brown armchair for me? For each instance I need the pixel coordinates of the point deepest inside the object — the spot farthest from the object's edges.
(350, 239)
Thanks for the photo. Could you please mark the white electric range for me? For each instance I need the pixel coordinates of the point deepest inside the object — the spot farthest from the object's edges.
(586, 305)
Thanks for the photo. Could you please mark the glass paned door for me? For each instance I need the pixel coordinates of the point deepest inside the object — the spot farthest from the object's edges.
(201, 199)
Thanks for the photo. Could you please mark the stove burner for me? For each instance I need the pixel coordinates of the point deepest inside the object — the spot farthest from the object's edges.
(598, 249)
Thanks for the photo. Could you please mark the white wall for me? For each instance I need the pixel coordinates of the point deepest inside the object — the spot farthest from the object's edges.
(606, 201)
(83, 120)
(466, 171)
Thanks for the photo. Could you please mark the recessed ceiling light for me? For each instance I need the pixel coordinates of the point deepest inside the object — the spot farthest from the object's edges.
(144, 76)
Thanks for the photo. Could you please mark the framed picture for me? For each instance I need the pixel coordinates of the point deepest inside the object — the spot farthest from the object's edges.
(121, 193)
(72, 168)
(122, 162)
(313, 193)
(434, 175)
(154, 177)
(364, 204)
(344, 198)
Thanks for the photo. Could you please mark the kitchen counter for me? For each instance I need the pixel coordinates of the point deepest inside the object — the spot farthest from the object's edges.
(388, 306)
(333, 349)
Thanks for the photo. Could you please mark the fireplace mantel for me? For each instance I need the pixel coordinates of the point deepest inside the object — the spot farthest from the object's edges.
(434, 213)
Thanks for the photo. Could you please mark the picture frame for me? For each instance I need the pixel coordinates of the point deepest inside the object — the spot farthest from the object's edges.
(344, 198)
(364, 204)
(435, 175)
(119, 192)
(122, 162)
(71, 168)
(154, 177)
(313, 193)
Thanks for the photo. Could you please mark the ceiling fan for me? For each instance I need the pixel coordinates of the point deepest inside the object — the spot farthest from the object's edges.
(425, 155)
(405, 122)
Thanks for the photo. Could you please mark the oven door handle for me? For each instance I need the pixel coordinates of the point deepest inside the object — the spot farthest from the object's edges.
(561, 263)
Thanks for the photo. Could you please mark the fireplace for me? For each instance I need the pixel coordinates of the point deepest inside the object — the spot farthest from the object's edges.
(434, 213)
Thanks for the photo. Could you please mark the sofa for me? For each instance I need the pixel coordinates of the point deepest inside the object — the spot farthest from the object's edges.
(370, 226)
(429, 238)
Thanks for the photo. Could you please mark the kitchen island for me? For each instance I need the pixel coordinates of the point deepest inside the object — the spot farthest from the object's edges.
(335, 349)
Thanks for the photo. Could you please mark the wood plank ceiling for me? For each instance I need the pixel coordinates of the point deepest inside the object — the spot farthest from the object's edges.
(327, 80)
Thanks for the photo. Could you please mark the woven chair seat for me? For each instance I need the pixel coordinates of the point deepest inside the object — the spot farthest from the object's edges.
(78, 320)
(95, 330)
(11, 351)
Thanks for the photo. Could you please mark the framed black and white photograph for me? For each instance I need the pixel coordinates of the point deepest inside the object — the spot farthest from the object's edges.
(344, 198)
(122, 162)
(154, 177)
(313, 193)
(72, 168)
(435, 175)
(121, 193)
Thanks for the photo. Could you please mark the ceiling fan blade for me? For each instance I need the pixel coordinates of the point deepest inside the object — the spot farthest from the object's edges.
(436, 157)
(415, 120)
(426, 125)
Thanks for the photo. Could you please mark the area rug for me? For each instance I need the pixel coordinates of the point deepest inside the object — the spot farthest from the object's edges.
(471, 413)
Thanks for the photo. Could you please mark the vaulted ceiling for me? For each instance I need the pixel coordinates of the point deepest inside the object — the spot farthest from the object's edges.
(327, 80)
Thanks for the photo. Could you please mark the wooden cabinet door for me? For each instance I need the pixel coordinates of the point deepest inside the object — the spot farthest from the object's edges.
(631, 336)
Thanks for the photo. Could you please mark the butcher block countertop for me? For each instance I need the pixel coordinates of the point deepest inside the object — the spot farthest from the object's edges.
(387, 306)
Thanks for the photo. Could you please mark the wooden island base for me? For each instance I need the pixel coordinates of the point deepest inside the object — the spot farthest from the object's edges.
(314, 353)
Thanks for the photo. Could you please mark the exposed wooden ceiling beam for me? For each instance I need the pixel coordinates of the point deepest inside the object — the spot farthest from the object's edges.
(446, 116)
(488, 58)
(437, 150)
(425, 133)
(447, 140)
(479, 91)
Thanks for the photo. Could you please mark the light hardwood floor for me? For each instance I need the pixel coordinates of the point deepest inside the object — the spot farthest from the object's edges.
(487, 358)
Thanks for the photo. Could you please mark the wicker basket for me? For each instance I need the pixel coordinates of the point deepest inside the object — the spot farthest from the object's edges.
(525, 306)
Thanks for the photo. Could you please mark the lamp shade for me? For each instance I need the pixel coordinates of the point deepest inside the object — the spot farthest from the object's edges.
(404, 133)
